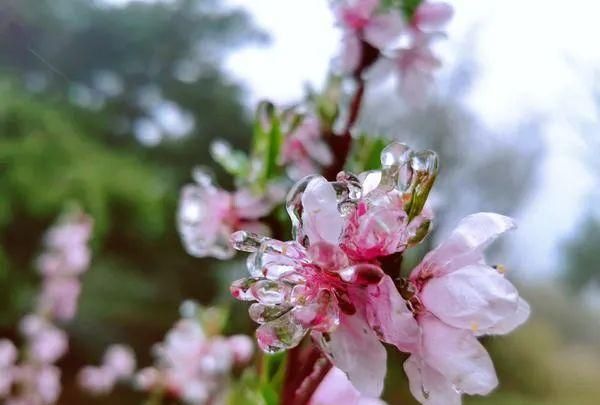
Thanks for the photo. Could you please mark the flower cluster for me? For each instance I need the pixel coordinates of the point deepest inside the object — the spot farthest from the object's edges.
(118, 364)
(398, 38)
(35, 380)
(67, 256)
(192, 364)
(208, 215)
(338, 279)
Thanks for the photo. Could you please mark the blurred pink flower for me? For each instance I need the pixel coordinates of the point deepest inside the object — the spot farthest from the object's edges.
(416, 63)
(207, 215)
(304, 151)
(364, 20)
(96, 380)
(120, 360)
(457, 298)
(59, 297)
(8, 353)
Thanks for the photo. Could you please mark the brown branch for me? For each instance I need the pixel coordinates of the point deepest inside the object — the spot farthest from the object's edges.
(341, 143)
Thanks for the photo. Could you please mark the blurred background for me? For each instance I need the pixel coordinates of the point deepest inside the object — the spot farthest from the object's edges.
(110, 103)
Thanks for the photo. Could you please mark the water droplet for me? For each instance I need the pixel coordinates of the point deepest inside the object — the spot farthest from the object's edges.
(261, 313)
(271, 292)
(362, 274)
(294, 206)
(280, 334)
(246, 241)
(240, 289)
(395, 154)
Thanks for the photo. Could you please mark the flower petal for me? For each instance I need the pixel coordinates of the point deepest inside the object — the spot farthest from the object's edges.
(510, 323)
(427, 385)
(474, 297)
(389, 316)
(465, 245)
(321, 219)
(351, 347)
(458, 356)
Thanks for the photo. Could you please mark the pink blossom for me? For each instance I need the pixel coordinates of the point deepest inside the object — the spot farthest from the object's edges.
(364, 20)
(120, 360)
(192, 366)
(336, 389)
(242, 348)
(457, 298)
(416, 63)
(208, 215)
(59, 297)
(48, 345)
(96, 380)
(8, 353)
(329, 281)
(304, 151)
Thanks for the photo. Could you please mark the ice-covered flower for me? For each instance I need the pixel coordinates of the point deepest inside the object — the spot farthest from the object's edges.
(457, 297)
(304, 151)
(207, 215)
(329, 280)
(336, 389)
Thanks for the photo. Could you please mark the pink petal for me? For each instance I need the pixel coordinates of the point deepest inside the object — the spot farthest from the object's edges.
(510, 323)
(352, 346)
(427, 385)
(321, 218)
(474, 297)
(389, 316)
(465, 245)
(383, 29)
(249, 206)
(458, 356)
(336, 389)
(432, 16)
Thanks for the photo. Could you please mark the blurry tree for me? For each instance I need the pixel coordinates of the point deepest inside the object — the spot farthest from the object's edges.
(582, 262)
(148, 73)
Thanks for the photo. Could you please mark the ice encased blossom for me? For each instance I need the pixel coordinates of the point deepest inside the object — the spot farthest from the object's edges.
(207, 215)
(328, 281)
(457, 297)
(304, 151)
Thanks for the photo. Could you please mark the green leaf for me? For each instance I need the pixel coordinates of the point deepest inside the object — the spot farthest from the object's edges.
(267, 143)
(365, 154)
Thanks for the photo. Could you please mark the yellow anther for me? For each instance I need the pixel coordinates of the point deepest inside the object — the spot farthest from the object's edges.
(474, 326)
(501, 269)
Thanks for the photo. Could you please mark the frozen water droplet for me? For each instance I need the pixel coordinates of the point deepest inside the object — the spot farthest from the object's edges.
(246, 241)
(261, 313)
(395, 154)
(280, 334)
(362, 274)
(425, 161)
(220, 149)
(271, 292)
(240, 289)
(294, 206)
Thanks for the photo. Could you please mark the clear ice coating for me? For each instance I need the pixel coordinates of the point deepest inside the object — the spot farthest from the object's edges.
(203, 232)
(280, 334)
(245, 241)
(261, 313)
(271, 292)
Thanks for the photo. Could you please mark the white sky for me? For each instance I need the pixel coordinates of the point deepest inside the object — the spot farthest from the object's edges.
(535, 57)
